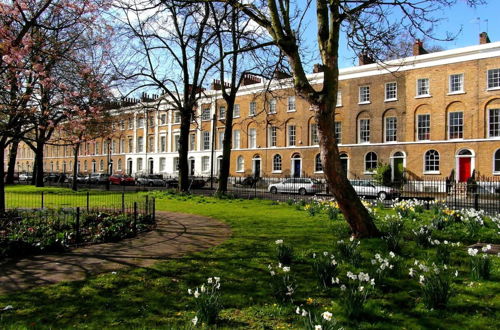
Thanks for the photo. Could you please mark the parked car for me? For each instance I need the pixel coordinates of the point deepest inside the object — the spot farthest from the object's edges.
(54, 177)
(80, 178)
(249, 181)
(151, 180)
(172, 183)
(196, 183)
(122, 179)
(367, 189)
(98, 178)
(25, 177)
(300, 186)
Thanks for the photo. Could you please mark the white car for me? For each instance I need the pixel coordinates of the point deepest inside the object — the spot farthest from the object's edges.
(300, 186)
(367, 189)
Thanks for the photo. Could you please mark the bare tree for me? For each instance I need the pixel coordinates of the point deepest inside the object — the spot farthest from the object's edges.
(169, 41)
(370, 25)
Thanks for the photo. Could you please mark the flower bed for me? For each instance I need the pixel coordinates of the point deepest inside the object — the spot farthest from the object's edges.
(26, 232)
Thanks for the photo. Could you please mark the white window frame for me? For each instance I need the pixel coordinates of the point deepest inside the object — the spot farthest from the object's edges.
(236, 111)
(364, 96)
(220, 139)
(273, 136)
(252, 138)
(291, 105)
(252, 109)
(291, 135)
(395, 129)
(272, 106)
(163, 143)
(497, 135)
(428, 128)
(419, 89)
(338, 131)
(175, 164)
(206, 140)
(314, 134)
(162, 164)
(205, 164)
(495, 170)
(277, 165)
(222, 112)
(240, 164)
(163, 119)
(432, 171)
(370, 170)
(236, 139)
(177, 117)
(205, 114)
(496, 79)
(140, 144)
(387, 90)
(362, 129)
(452, 82)
(317, 161)
(339, 98)
(461, 130)
(192, 142)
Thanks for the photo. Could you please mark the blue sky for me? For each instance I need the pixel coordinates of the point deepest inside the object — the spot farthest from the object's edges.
(458, 17)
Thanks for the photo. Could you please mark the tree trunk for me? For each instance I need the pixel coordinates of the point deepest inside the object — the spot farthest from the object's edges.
(12, 162)
(39, 165)
(356, 215)
(76, 149)
(226, 149)
(2, 174)
(183, 150)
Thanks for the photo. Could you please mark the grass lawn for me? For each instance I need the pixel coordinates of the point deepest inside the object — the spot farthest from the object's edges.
(157, 297)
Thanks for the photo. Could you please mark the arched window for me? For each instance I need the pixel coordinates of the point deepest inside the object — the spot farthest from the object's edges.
(496, 162)
(276, 163)
(431, 161)
(371, 160)
(318, 167)
(240, 164)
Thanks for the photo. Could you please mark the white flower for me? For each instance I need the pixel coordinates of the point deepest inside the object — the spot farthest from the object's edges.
(273, 273)
(202, 288)
(209, 280)
(486, 248)
(196, 294)
(456, 273)
(195, 320)
(472, 252)
(351, 239)
(361, 288)
(314, 255)
(392, 254)
(190, 292)
(280, 265)
(286, 269)
(410, 272)
(279, 241)
(334, 262)
(217, 279)
(269, 267)
(317, 327)
(374, 261)
(304, 312)
(343, 287)
(325, 253)
(422, 279)
(327, 315)
(372, 282)
(335, 280)
(217, 286)
(297, 310)
(8, 307)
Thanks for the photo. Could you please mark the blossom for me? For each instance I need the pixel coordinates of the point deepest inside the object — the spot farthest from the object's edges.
(411, 272)
(304, 312)
(202, 288)
(422, 279)
(472, 252)
(273, 273)
(327, 315)
(317, 327)
(392, 254)
(486, 248)
(195, 320)
(196, 294)
(343, 287)
(361, 288)
(279, 241)
(209, 280)
(286, 269)
(456, 273)
(217, 279)
(297, 310)
(190, 292)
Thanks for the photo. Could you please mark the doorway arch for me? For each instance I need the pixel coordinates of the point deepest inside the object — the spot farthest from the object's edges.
(465, 163)
(398, 164)
(296, 165)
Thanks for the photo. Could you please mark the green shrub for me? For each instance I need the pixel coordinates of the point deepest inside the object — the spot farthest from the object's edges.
(207, 301)
(284, 252)
(325, 268)
(382, 174)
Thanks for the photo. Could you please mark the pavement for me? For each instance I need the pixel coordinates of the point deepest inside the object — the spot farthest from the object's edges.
(175, 235)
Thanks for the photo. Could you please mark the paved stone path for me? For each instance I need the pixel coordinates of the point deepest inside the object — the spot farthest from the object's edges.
(176, 235)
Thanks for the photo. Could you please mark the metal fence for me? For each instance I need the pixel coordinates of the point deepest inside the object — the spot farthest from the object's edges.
(482, 194)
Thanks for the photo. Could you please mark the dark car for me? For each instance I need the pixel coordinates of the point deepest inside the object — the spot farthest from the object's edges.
(80, 178)
(98, 178)
(172, 183)
(196, 183)
(122, 179)
(151, 180)
(54, 177)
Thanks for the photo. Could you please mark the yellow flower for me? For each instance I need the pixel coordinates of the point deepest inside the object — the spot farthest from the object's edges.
(309, 301)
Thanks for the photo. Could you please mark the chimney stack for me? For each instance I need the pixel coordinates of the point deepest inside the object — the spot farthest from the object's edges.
(278, 74)
(249, 79)
(364, 59)
(317, 68)
(418, 48)
(483, 38)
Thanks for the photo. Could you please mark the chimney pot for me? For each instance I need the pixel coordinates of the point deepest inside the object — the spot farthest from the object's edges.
(484, 38)
(418, 48)
(364, 59)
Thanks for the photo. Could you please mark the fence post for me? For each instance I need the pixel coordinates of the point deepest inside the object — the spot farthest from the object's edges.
(476, 201)
(135, 219)
(154, 209)
(147, 204)
(77, 225)
(88, 201)
(42, 199)
(123, 202)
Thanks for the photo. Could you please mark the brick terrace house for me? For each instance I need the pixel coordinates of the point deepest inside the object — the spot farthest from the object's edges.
(428, 114)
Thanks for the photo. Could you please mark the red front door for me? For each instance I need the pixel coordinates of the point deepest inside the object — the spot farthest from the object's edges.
(464, 169)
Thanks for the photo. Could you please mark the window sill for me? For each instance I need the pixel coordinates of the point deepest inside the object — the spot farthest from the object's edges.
(291, 111)
(496, 173)
(241, 171)
(493, 88)
(369, 172)
(423, 96)
(456, 93)
(272, 113)
(277, 172)
(431, 172)
(455, 139)
(365, 102)
(318, 172)
(339, 106)
(390, 100)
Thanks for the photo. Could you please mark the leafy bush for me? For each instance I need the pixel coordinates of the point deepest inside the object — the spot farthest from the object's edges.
(354, 293)
(207, 301)
(423, 235)
(312, 320)
(393, 228)
(349, 251)
(382, 174)
(435, 284)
